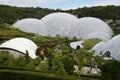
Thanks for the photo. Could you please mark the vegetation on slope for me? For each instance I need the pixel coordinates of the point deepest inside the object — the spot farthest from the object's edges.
(111, 70)
(102, 12)
(10, 14)
(9, 32)
(60, 58)
(88, 44)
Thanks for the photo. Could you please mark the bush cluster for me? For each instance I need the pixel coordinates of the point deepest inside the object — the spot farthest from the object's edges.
(111, 71)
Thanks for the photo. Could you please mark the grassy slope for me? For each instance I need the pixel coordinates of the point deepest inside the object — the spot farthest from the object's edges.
(88, 44)
(9, 32)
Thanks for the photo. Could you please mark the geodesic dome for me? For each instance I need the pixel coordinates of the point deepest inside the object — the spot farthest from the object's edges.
(20, 45)
(98, 35)
(59, 23)
(98, 48)
(92, 28)
(112, 46)
(31, 25)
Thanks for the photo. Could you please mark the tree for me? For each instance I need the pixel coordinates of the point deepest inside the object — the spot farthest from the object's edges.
(57, 65)
(68, 64)
(80, 58)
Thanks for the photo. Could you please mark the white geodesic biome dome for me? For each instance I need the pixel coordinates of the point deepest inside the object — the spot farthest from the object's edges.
(98, 35)
(59, 23)
(113, 46)
(31, 25)
(90, 27)
(21, 45)
(98, 48)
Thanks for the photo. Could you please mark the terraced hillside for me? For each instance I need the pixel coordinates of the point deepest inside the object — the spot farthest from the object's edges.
(9, 32)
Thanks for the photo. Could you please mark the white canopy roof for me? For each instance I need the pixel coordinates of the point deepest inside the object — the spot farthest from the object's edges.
(22, 45)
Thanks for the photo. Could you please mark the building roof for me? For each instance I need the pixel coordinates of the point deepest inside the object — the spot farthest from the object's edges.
(21, 45)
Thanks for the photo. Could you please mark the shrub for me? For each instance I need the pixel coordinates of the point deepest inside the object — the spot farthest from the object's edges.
(111, 71)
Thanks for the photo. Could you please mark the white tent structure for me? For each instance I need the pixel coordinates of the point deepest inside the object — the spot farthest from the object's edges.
(74, 45)
(31, 25)
(59, 23)
(90, 27)
(113, 46)
(17, 46)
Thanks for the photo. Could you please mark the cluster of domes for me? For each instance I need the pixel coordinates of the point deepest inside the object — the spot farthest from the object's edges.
(112, 46)
(66, 25)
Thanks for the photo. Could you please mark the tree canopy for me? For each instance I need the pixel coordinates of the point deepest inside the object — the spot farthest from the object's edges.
(10, 14)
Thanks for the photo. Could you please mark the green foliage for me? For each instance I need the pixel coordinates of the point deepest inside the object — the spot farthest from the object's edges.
(12, 33)
(88, 44)
(111, 71)
(31, 75)
(68, 64)
(102, 12)
(100, 61)
(80, 58)
(6, 59)
(1, 21)
(20, 62)
(88, 56)
(57, 65)
(43, 66)
(9, 14)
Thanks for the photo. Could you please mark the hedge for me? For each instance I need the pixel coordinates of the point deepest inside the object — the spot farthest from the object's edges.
(7, 74)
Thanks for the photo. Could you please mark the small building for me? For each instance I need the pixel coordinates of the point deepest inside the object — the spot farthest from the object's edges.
(75, 44)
